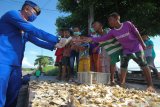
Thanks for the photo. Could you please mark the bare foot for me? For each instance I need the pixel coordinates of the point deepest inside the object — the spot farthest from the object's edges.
(151, 89)
(58, 78)
(113, 83)
(123, 85)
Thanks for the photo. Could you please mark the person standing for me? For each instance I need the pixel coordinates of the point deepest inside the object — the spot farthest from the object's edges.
(74, 53)
(66, 58)
(104, 64)
(112, 52)
(15, 31)
(84, 58)
(59, 56)
(94, 52)
(150, 54)
(132, 45)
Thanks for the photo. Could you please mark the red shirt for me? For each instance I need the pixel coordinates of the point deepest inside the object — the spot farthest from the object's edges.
(59, 52)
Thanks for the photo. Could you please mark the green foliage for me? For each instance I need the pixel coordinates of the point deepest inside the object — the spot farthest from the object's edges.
(143, 13)
(42, 61)
(27, 69)
(50, 70)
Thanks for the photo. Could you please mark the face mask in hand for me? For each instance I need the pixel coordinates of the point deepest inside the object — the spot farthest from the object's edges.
(32, 17)
(77, 33)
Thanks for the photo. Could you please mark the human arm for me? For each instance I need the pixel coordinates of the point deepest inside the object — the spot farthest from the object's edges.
(149, 44)
(40, 43)
(149, 47)
(96, 49)
(102, 38)
(15, 18)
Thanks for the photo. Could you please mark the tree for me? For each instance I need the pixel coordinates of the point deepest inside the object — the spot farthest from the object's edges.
(143, 13)
(42, 61)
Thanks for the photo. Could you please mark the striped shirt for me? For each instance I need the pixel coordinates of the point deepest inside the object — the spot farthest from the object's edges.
(126, 35)
(112, 47)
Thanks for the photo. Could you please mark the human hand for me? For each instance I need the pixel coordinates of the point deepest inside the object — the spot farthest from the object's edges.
(82, 48)
(65, 41)
(76, 40)
(95, 49)
(144, 46)
(87, 39)
(59, 45)
(62, 40)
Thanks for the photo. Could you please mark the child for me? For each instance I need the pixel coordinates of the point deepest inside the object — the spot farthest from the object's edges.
(59, 56)
(38, 73)
(58, 62)
(132, 44)
(150, 54)
(66, 57)
(74, 53)
(103, 57)
(112, 48)
(94, 52)
(84, 59)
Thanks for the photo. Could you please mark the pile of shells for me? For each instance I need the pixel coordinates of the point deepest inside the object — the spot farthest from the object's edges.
(50, 94)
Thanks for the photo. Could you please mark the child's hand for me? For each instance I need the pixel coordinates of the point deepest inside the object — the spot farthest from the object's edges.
(87, 39)
(59, 45)
(74, 47)
(62, 40)
(144, 46)
(75, 39)
(82, 48)
(95, 49)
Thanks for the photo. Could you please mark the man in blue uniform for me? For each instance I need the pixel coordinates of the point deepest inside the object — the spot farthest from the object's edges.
(15, 31)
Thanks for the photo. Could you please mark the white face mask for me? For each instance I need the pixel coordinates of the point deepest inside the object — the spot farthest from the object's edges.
(77, 33)
(92, 30)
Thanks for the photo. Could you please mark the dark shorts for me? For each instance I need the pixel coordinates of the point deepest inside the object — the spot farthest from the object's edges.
(150, 60)
(138, 57)
(58, 64)
(66, 61)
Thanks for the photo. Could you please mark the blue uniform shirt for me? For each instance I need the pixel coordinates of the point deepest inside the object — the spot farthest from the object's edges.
(13, 40)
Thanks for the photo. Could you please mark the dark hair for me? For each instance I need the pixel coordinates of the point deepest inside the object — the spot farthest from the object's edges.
(143, 33)
(100, 22)
(60, 30)
(66, 29)
(83, 35)
(76, 27)
(114, 15)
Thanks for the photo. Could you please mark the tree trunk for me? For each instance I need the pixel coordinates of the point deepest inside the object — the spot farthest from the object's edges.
(90, 16)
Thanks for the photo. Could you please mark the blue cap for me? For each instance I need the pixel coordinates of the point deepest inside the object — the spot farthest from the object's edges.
(34, 6)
